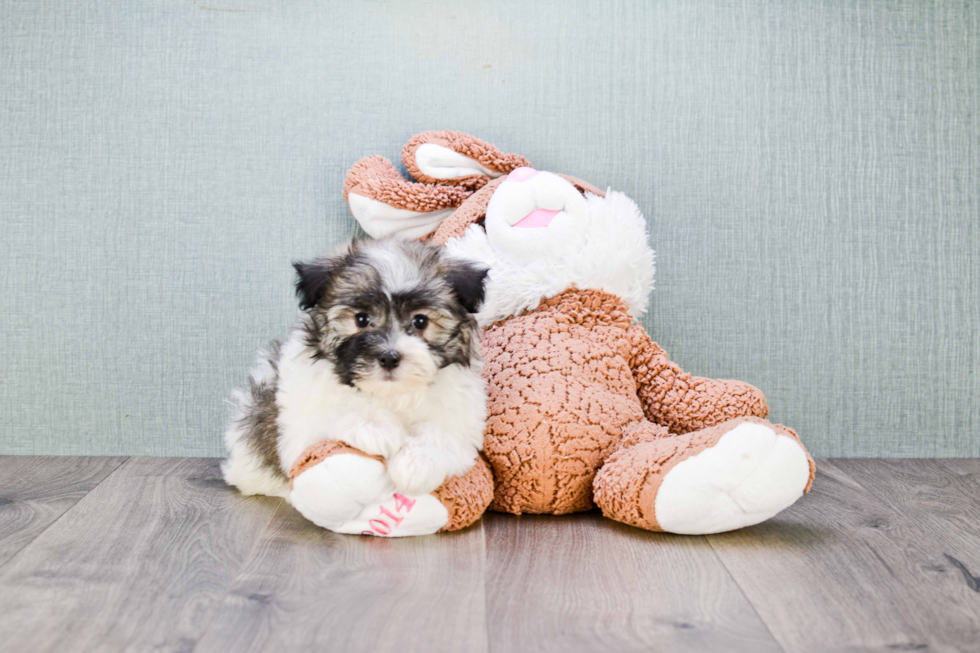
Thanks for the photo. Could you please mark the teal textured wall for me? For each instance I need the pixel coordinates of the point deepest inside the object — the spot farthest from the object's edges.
(810, 172)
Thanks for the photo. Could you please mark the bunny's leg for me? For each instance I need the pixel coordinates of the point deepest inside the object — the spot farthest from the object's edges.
(347, 491)
(721, 478)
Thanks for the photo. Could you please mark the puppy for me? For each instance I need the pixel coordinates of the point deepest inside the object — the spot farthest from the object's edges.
(385, 357)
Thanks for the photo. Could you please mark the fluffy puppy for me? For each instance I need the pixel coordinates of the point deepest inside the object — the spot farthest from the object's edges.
(385, 357)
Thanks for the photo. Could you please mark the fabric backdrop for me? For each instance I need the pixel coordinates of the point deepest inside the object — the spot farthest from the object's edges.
(810, 172)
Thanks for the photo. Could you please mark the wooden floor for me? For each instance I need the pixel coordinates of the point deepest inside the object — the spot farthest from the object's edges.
(152, 554)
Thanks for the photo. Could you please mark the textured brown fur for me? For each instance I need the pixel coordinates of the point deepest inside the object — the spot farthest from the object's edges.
(569, 382)
(375, 178)
(466, 497)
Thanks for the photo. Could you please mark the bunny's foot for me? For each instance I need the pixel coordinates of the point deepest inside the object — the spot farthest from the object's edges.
(346, 491)
(722, 478)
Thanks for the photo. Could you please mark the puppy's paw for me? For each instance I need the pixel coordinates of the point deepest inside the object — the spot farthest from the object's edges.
(380, 436)
(417, 470)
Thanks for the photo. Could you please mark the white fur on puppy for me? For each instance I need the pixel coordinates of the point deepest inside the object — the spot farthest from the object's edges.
(384, 358)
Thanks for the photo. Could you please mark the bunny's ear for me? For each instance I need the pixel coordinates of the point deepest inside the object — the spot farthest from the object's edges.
(385, 204)
(457, 159)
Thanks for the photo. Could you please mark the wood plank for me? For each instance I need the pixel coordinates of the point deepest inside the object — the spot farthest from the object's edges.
(141, 563)
(36, 490)
(968, 469)
(941, 501)
(307, 589)
(841, 570)
(585, 583)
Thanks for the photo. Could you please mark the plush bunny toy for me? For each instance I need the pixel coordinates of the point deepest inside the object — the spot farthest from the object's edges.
(584, 409)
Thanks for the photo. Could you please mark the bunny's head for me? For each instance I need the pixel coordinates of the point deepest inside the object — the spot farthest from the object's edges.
(538, 232)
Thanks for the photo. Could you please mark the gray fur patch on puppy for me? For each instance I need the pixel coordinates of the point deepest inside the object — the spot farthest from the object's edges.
(257, 411)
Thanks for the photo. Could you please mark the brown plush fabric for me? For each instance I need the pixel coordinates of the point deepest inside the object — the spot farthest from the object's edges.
(319, 452)
(573, 380)
(561, 393)
(682, 402)
(466, 497)
(374, 177)
(626, 486)
(482, 152)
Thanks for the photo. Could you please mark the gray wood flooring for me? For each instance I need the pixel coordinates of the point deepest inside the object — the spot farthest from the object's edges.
(155, 554)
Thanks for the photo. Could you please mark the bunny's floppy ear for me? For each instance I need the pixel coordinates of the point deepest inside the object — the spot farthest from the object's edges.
(457, 159)
(386, 204)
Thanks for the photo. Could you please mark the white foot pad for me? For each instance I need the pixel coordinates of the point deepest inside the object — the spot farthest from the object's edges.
(747, 477)
(348, 493)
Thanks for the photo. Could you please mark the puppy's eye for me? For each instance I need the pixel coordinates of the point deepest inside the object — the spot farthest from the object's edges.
(362, 320)
(420, 322)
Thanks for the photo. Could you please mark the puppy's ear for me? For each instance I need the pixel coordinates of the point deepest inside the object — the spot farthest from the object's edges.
(467, 281)
(313, 279)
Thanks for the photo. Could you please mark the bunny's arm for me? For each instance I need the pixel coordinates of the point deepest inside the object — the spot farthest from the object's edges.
(681, 402)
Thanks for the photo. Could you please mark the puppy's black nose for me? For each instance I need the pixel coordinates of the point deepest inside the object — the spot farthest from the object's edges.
(389, 359)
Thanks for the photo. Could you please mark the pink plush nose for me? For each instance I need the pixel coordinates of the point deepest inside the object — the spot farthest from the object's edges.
(522, 174)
